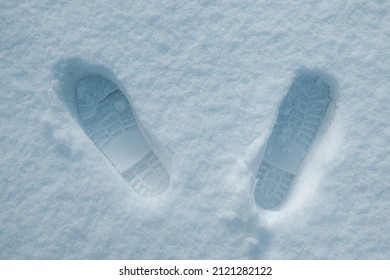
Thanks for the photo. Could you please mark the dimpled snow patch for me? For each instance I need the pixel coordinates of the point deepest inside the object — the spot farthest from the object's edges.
(108, 120)
(299, 119)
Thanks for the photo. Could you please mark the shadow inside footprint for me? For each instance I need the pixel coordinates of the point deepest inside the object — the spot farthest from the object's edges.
(107, 118)
(299, 119)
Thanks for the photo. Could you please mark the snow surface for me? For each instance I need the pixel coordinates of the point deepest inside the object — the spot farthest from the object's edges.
(206, 79)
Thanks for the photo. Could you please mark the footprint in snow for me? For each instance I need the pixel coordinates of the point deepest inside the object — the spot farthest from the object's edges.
(299, 119)
(107, 118)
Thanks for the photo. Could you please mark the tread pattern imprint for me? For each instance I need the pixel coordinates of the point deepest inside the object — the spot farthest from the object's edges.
(299, 118)
(107, 118)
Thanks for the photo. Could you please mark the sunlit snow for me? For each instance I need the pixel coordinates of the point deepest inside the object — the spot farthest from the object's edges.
(205, 81)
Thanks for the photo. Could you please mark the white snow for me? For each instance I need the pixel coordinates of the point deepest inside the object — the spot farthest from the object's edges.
(205, 80)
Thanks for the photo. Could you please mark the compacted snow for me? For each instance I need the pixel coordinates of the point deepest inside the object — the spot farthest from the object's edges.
(195, 129)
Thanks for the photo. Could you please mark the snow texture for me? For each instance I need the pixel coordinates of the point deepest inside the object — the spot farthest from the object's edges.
(206, 83)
